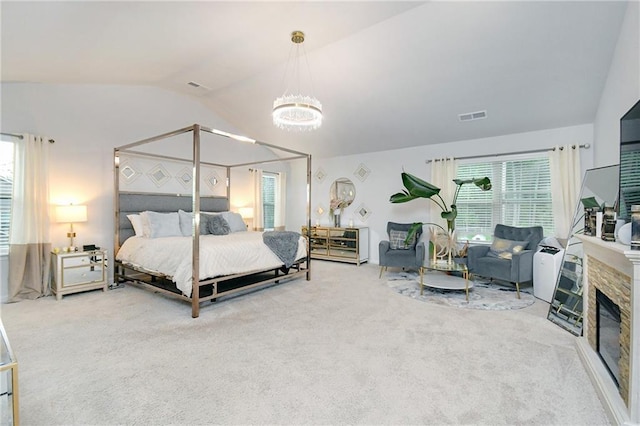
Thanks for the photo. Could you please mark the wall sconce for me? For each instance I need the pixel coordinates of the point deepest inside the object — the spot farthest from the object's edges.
(246, 213)
(71, 214)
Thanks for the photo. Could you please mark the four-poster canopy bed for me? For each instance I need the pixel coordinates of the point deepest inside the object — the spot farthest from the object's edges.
(163, 242)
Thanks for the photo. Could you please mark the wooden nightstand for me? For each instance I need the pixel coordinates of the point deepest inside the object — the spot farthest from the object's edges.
(78, 271)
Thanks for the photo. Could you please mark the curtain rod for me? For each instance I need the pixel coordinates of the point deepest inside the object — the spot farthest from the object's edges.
(532, 151)
(13, 135)
(275, 173)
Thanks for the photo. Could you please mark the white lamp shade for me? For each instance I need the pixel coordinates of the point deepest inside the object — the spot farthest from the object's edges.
(246, 212)
(71, 213)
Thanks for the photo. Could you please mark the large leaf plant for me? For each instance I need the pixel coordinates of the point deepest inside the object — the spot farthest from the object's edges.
(417, 188)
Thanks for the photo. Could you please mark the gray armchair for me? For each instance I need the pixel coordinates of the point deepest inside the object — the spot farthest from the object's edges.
(394, 253)
(513, 266)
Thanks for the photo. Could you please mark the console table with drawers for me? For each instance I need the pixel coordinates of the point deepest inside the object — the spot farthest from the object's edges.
(349, 245)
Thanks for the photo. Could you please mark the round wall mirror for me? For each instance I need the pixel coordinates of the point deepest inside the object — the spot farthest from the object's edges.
(342, 193)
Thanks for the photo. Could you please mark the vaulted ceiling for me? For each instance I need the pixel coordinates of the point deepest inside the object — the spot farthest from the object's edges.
(389, 74)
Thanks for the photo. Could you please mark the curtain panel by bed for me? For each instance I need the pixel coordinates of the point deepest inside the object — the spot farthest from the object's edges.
(281, 200)
(258, 214)
(29, 241)
(564, 165)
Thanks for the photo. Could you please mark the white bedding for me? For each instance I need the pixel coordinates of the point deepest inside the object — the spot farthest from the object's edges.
(219, 255)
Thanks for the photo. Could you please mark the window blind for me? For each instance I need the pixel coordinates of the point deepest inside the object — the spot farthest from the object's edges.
(268, 199)
(520, 196)
(629, 181)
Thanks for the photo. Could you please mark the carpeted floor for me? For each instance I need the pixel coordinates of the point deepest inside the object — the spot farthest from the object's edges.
(339, 349)
(483, 294)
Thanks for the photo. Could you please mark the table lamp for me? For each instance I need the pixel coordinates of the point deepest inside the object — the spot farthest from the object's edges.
(71, 214)
(246, 213)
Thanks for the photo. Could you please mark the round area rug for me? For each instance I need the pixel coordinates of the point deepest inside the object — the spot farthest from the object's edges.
(482, 294)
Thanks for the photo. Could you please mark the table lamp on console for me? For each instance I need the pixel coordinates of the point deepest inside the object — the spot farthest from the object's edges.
(247, 215)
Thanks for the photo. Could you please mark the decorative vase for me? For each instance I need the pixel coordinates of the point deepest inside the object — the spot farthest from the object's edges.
(444, 245)
(336, 220)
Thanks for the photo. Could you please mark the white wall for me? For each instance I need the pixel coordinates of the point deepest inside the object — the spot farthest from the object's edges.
(386, 167)
(87, 122)
(621, 91)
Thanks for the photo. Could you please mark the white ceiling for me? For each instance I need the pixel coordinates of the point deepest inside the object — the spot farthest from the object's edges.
(389, 74)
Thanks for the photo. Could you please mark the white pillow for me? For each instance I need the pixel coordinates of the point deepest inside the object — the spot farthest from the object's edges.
(136, 222)
(186, 222)
(235, 221)
(163, 224)
(146, 231)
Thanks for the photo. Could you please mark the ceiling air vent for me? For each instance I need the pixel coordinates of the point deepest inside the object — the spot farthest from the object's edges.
(198, 86)
(470, 116)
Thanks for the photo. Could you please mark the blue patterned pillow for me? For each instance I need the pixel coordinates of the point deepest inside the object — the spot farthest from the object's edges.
(504, 249)
(397, 238)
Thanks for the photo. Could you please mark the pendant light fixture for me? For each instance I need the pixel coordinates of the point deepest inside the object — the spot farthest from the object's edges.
(293, 111)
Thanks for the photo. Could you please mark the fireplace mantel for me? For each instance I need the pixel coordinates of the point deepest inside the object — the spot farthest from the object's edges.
(626, 263)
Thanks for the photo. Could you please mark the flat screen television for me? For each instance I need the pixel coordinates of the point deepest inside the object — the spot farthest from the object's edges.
(629, 162)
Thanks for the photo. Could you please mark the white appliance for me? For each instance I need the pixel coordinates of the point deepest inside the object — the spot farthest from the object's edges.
(546, 266)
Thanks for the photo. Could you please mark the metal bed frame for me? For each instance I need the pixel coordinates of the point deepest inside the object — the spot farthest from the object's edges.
(222, 285)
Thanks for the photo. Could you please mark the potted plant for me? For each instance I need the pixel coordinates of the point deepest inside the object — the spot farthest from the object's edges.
(417, 188)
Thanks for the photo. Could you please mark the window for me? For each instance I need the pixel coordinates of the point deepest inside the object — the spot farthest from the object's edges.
(269, 200)
(629, 178)
(6, 188)
(520, 196)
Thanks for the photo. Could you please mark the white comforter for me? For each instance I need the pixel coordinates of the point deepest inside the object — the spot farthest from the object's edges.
(219, 255)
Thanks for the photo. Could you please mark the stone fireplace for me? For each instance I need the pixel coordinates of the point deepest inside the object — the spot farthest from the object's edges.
(612, 286)
(616, 286)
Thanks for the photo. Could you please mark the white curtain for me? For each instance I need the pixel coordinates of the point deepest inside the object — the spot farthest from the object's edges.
(443, 172)
(258, 216)
(281, 199)
(566, 179)
(29, 241)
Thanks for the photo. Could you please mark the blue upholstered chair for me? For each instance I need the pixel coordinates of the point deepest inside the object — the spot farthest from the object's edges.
(393, 252)
(510, 257)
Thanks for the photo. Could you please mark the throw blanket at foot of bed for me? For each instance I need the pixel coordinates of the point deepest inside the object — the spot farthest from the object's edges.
(284, 244)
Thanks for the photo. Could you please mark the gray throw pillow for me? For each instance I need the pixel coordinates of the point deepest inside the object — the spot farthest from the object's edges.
(204, 223)
(218, 225)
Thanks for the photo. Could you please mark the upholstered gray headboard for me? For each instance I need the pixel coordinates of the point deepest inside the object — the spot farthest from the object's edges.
(131, 203)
